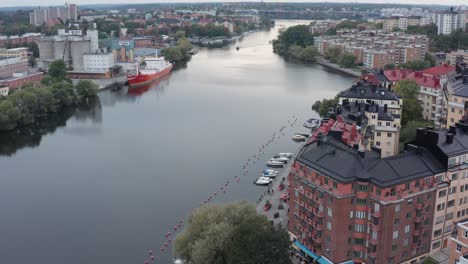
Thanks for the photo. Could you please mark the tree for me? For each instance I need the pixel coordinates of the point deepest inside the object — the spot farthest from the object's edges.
(172, 54)
(184, 44)
(390, 66)
(299, 35)
(231, 234)
(86, 88)
(58, 70)
(322, 107)
(333, 54)
(417, 65)
(179, 34)
(32, 61)
(347, 60)
(412, 110)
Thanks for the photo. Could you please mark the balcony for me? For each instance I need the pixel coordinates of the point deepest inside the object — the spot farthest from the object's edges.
(375, 214)
(419, 219)
(374, 227)
(317, 239)
(416, 245)
(318, 213)
(418, 206)
(372, 255)
(418, 232)
(373, 241)
(317, 226)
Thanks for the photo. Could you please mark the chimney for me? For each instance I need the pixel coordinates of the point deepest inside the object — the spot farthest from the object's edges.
(453, 130)
(385, 108)
(362, 153)
(449, 138)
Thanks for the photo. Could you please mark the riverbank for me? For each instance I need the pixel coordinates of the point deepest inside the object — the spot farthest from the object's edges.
(337, 67)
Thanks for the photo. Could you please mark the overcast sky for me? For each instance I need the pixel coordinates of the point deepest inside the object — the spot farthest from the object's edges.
(4, 3)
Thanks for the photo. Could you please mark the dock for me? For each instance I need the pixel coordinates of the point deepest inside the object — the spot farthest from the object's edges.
(106, 83)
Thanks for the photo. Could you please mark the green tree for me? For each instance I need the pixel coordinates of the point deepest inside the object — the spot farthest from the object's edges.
(299, 35)
(32, 61)
(86, 88)
(172, 54)
(412, 110)
(322, 107)
(184, 45)
(9, 115)
(179, 34)
(58, 70)
(347, 60)
(417, 65)
(333, 54)
(231, 234)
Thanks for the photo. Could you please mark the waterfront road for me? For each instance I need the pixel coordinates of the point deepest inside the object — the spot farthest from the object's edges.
(273, 195)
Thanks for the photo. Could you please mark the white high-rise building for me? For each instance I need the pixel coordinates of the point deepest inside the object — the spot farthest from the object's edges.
(449, 21)
(39, 16)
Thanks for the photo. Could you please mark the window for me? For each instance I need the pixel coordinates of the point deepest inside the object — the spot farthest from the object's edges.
(394, 247)
(438, 232)
(407, 228)
(449, 216)
(329, 225)
(377, 143)
(436, 245)
(454, 176)
(359, 228)
(408, 215)
(387, 124)
(405, 242)
(362, 188)
(465, 234)
(441, 207)
(442, 193)
(439, 219)
(459, 247)
(410, 201)
(379, 123)
(361, 201)
(378, 191)
(376, 207)
(396, 221)
(450, 203)
(452, 190)
(395, 234)
(389, 135)
(378, 134)
(397, 208)
(335, 185)
(360, 215)
(329, 212)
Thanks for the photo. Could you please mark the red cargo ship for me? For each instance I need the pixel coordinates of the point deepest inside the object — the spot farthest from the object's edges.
(155, 68)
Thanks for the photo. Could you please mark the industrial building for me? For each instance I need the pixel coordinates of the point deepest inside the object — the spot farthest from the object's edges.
(67, 46)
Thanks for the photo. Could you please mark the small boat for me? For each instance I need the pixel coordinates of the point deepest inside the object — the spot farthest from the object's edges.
(281, 159)
(285, 154)
(263, 181)
(270, 174)
(270, 171)
(312, 123)
(275, 163)
(299, 137)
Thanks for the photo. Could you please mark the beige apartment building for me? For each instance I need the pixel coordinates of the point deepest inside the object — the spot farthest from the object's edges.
(459, 249)
(454, 56)
(457, 93)
(382, 109)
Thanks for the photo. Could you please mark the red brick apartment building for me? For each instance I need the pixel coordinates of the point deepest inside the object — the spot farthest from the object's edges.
(350, 205)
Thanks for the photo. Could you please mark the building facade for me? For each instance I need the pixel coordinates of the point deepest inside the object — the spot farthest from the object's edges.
(98, 62)
(459, 251)
(41, 15)
(449, 21)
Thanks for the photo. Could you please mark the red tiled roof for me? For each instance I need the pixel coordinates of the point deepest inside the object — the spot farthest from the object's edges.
(440, 70)
(350, 134)
(427, 80)
(399, 74)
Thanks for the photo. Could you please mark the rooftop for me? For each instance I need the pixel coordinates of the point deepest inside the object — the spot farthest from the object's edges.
(364, 89)
(331, 157)
(440, 70)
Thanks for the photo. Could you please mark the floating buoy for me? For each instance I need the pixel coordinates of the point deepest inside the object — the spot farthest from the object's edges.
(152, 258)
(150, 252)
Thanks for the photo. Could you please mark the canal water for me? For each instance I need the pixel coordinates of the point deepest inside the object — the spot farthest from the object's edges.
(106, 184)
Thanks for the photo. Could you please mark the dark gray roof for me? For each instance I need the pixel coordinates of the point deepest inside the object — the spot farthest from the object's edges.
(362, 108)
(459, 145)
(362, 90)
(343, 164)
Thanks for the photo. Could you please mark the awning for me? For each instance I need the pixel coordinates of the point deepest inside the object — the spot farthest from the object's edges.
(319, 259)
(306, 250)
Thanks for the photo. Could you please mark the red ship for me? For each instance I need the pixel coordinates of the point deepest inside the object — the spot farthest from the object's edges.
(155, 69)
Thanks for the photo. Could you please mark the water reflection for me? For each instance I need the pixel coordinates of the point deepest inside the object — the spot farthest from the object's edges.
(31, 136)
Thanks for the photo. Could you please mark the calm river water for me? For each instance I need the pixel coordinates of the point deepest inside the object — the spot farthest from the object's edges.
(105, 186)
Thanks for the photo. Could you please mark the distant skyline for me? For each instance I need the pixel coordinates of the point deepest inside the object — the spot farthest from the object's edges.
(10, 3)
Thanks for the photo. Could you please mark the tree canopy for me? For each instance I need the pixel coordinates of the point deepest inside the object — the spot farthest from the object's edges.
(321, 107)
(58, 70)
(299, 35)
(231, 234)
(412, 110)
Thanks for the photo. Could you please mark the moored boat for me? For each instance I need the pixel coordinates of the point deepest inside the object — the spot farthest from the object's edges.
(155, 68)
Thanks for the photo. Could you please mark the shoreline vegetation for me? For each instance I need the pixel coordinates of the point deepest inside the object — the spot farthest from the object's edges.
(29, 104)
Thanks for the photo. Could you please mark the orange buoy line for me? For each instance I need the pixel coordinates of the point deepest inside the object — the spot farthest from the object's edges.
(168, 237)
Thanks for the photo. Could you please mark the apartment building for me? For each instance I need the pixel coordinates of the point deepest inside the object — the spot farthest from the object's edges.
(17, 52)
(381, 109)
(457, 93)
(14, 72)
(458, 56)
(459, 250)
(451, 204)
(376, 48)
(350, 205)
(41, 15)
(449, 21)
(431, 93)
